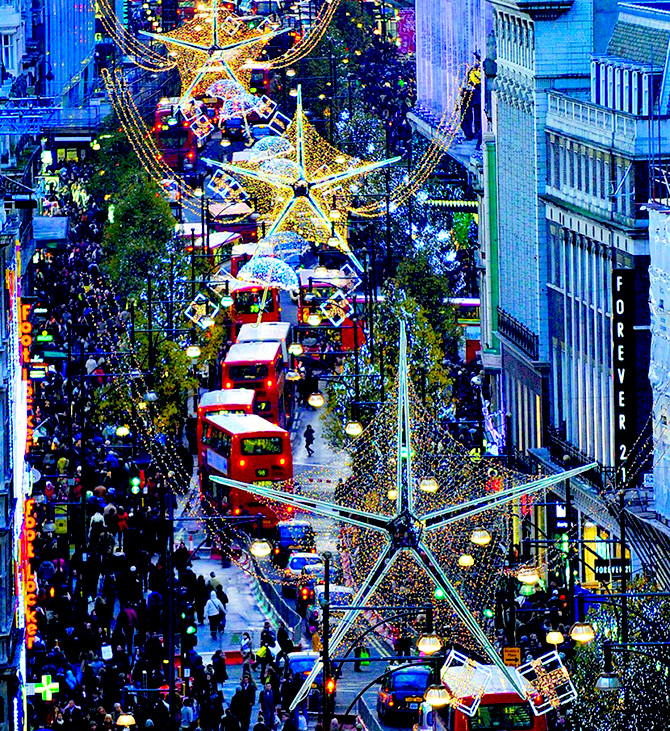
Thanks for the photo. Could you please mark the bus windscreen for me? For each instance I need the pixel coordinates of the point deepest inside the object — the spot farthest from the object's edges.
(510, 716)
(249, 303)
(262, 445)
(250, 372)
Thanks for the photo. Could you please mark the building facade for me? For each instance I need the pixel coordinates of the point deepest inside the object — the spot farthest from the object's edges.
(575, 119)
(69, 61)
(14, 473)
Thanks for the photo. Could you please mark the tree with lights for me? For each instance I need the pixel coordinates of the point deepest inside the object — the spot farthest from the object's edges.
(642, 703)
(139, 235)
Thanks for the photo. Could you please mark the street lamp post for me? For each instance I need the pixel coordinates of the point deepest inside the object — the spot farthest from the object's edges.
(327, 708)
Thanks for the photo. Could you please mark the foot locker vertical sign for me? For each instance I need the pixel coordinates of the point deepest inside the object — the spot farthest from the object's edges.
(623, 365)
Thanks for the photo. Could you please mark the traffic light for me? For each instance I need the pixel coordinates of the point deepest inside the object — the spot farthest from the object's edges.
(304, 593)
(564, 543)
(488, 612)
(189, 630)
(439, 593)
(135, 485)
(331, 685)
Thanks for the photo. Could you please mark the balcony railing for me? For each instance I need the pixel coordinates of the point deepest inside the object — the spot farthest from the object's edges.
(518, 334)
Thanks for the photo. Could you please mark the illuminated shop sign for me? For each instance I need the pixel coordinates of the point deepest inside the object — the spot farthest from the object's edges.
(623, 365)
(29, 583)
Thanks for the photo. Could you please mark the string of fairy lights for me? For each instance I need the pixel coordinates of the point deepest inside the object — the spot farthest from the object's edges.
(310, 40)
(444, 137)
(144, 146)
(148, 59)
(323, 170)
(143, 56)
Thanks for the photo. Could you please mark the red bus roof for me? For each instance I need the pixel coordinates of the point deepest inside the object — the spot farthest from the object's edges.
(265, 332)
(254, 352)
(227, 397)
(244, 424)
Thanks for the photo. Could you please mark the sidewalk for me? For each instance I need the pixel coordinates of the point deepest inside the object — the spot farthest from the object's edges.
(242, 615)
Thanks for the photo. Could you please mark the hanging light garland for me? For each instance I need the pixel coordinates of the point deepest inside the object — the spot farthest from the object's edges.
(444, 137)
(143, 56)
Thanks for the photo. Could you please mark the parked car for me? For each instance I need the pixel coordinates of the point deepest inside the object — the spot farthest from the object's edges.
(292, 535)
(401, 694)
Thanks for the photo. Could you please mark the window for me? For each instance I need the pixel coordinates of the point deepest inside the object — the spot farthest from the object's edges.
(411, 681)
(508, 716)
(249, 303)
(262, 445)
(557, 165)
(8, 53)
(250, 372)
(219, 441)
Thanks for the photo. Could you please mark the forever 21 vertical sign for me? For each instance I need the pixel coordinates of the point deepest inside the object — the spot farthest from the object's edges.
(623, 364)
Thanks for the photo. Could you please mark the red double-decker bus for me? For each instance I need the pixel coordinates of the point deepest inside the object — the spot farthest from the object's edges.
(247, 448)
(317, 286)
(173, 136)
(247, 300)
(230, 401)
(259, 365)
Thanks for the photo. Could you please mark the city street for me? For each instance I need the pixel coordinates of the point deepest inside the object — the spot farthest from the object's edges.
(334, 388)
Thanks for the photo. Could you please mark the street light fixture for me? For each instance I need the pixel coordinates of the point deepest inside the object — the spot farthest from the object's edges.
(193, 352)
(429, 643)
(528, 575)
(314, 319)
(353, 428)
(428, 484)
(582, 632)
(466, 560)
(151, 397)
(122, 431)
(260, 548)
(296, 349)
(437, 696)
(126, 720)
(608, 680)
(316, 400)
(480, 537)
(555, 637)
(292, 376)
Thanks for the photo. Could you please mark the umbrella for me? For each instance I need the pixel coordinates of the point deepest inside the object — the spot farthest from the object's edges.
(269, 271)
(226, 89)
(268, 148)
(287, 245)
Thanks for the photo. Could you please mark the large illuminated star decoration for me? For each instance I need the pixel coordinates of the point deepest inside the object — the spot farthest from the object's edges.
(409, 528)
(216, 44)
(307, 189)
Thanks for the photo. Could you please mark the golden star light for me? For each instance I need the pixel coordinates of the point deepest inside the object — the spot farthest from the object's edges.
(411, 532)
(216, 44)
(306, 190)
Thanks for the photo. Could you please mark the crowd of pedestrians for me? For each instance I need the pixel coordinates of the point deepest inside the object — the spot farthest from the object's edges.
(101, 608)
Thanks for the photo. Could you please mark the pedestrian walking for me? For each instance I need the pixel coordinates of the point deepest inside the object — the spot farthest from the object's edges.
(267, 700)
(309, 439)
(240, 707)
(214, 611)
